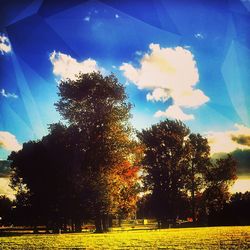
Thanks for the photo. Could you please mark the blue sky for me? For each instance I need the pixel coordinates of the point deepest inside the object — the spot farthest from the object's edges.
(177, 59)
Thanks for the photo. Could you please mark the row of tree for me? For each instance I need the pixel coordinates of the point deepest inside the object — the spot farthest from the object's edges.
(91, 166)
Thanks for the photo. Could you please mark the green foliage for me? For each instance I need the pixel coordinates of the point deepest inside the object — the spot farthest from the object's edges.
(5, 210)
(98, 107)
(166, 155)
(219, 175)
(70, 173)
(46, 177)
(178, 169)
(89, 167)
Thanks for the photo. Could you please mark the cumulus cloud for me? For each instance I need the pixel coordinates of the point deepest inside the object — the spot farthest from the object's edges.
(4, 168)
(9, 142)
(7, 95)
(5, 188)
(66, 67)
(241, 185)
(242, 139)
(5, 46)
(229, 141)
(242, 157)
(168, 73)
(174, 112)
(158, 94)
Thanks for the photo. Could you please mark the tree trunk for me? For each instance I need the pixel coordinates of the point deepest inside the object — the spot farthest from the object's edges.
(119, 221)
(105, 222)
(110, 219)
(65, 225)
(159, 223)
(98, 225)
(78, 225)
(72, 225)
(193, 196)
(35, 230)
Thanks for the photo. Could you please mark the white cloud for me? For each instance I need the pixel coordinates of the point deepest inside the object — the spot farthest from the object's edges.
(158, 94)
(5, 188)
(199, 36)
(168, 73)
(87, 18)
(64, 66)
(189, 97)
(241, 185)
(174, 112)
(138, 53)
(228, 141)
(5, 46)
(9, 142)
(7, 95)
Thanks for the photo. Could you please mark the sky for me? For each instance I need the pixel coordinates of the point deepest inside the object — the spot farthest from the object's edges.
(186, 60)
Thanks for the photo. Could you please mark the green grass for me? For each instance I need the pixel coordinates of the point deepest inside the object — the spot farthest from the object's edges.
(188, 238)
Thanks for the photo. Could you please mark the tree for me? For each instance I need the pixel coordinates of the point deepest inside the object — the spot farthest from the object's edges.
(98, 107)
(45, 176)
(198, 161)
(219, 175)
(5, 210)
(178, 168)
(123, 190)
(165, 161)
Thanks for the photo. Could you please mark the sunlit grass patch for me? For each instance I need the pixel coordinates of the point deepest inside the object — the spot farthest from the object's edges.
(188, 238)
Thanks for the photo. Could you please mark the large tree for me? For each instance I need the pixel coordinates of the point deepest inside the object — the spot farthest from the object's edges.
(219, 176)
(178, 168)
(165, 161)
(45, 174)
(197, 164)
(98, 107)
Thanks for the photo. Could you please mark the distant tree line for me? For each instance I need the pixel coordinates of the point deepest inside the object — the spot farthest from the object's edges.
(91, 166)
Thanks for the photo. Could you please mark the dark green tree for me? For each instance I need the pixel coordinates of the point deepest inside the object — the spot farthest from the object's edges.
(198, 162)
(5, 211)
(165, 161)
(47, 180)
(98, 107)
(178, 168)
(219, 176)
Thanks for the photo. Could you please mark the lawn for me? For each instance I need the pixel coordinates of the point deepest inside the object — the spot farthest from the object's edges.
(188, 238)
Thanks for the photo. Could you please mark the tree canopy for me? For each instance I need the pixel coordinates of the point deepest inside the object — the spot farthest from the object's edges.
(178, 169)
(90, 166)
(86, 167)
(98, 107)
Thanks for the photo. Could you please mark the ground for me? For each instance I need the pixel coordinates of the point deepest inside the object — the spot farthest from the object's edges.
(185, 238)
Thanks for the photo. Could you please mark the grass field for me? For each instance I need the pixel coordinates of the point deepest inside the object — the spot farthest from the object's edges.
(188, 238)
